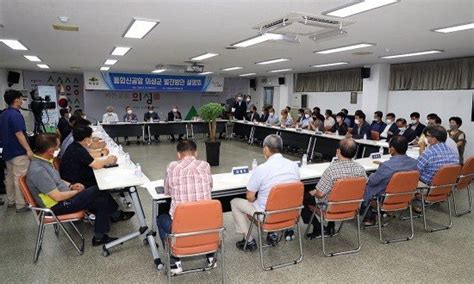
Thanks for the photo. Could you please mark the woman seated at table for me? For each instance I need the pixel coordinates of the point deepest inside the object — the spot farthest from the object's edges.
(340, 127)
(286, 120)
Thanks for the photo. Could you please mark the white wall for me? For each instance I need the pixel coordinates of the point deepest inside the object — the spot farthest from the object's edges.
(334, 101)
(444, 103)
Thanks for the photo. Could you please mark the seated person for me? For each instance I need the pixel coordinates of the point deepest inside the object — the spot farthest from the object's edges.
(175, 115)
(253, 115)
(63, 125)
(378, 125)
(264, 116)
(432, 119)
(316, 123)
(130, 117)
(97, 148)
(329, 121)
(457, 136)
(391, 127)
(317, 112)
(110, 116)
(300, 116)
(347, 119)
(340, 126)
(344, 167)
(62, 197)
(305, 121)
(378, 181)
(286, 120)
(151, 116)
(77, 164)
(275, 170)
(404, 130)
(415, 124)
(187, 179)
(272, 117)
(362, 129)
(435, 120)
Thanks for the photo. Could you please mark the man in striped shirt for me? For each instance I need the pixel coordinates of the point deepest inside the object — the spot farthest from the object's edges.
(187, 179)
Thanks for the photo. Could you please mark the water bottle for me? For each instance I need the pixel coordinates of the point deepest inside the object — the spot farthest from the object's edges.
(138, 170)
(304, 160)
(254, 164)
(127, 159)
(337, 132)
(365, 136)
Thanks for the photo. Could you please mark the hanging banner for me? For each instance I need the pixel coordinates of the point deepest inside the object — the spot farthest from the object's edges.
(151, 82)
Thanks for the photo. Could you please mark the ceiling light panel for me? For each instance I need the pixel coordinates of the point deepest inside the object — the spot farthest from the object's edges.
(120, 51)
(344, 48)
(42, 66)
(330, 64)
(104, 68)
(203, 56)
(280, 70)
(278, 60)
(14, 44)
(418, 53)
(139, 28)
(232, 68)
(110, 61)
(456, 28)
(32, 58)
(358, 7)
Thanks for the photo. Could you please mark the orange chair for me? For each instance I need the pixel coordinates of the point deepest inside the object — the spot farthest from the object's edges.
(464, 182)
(375, 135)
(343, 204)
(197, 229)
(45, 216)
(282, 212)
(439, 191)
(397, 197)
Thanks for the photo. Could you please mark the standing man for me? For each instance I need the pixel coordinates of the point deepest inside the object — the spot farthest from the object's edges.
(16, 151)
(175, 115)
(240, 108)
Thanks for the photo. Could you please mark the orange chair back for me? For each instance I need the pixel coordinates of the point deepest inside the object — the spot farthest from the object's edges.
(193, 217)
(345, 198)
(25, 190)
(467, 173)
(56, 163)
(282, 197)
(443, 182)
(375, 135)
(400, 190)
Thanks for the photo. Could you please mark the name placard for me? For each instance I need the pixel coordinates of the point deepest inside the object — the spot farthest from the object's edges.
(240, 170)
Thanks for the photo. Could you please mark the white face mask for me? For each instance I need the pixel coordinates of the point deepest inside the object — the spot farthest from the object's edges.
(150, 111)
(306, 115)
(84, 116)
(271, 113)
(299, 114)
(413, 121)
(239, 99)
(427, 122)
(109, 114)
(248, 100)
(56, 153)
(402, 128)
(426, 141)
(175, 110)
(389, 121)
(129, 111)
(357, 121)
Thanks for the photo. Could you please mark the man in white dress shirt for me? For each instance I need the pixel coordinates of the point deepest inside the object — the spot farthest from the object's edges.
(110, 116)
(275, 170)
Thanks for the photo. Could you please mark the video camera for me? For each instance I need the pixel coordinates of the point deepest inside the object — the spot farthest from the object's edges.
(38, 104)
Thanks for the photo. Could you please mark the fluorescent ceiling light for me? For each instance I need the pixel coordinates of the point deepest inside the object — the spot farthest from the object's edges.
(104, 68)
(203, 56)
(42, 66)
(110, 61)
(120, 50)
(455, 28)
(264, 37)
(32, 58)
(344, 48)
(248, 74)
(330, 64)
(280, 70)
(358, 7)
(14, 44)
(139, 28)
(232, 68)
(412, 54)
(205, 73)
(158, 71)
(272, 61)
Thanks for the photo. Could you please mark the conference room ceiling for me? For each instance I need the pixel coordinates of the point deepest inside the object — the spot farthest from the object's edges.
(189, 28)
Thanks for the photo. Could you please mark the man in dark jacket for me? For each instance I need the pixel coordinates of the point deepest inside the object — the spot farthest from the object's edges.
(240, 108)
(361, 128)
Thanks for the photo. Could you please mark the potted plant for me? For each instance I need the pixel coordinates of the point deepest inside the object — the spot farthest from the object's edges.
(210, 112)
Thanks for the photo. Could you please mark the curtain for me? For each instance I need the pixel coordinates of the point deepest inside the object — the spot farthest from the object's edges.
(450, 74)
(329, 81)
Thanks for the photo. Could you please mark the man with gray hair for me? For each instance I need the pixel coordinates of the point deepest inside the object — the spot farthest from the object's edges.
(110, 116)
(275, 170)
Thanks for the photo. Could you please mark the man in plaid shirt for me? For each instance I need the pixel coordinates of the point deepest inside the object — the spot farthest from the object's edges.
(187, 179)
(344, 167)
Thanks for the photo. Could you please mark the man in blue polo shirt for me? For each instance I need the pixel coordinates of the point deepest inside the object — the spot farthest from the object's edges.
(16, 151)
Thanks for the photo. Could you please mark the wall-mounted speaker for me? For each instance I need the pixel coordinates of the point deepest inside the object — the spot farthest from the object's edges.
(253, 84)
(304, 100)
(13, 78)
(281, 80)
(364, 73)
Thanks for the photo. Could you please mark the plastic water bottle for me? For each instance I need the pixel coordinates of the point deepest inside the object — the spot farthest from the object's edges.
(254, 164)
(365, 136)
(304, 160)
(127, 159)
(138, 170)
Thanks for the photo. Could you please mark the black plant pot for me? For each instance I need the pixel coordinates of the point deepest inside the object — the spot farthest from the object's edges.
(213, 152)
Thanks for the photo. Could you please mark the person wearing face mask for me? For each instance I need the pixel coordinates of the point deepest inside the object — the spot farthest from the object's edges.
(240, 108)
(329, 121)
(272, 117)
(305, 121)
(275, 170)
(151, 116)
(457, 136)
(16, 150)
(340, 126)
(131, 118)
(110, 116)
(96, 148)
(317, 112)
(415, 124)
(405, 131)
(378, 125)
(300, 116)
(391, 128)
(264, 116)
(248, 102)
(315, 123)
(378, 181)
(361, 127)
(286, 120)
(175, 115)
(253, 114)
(62, 197)
(63, 124)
